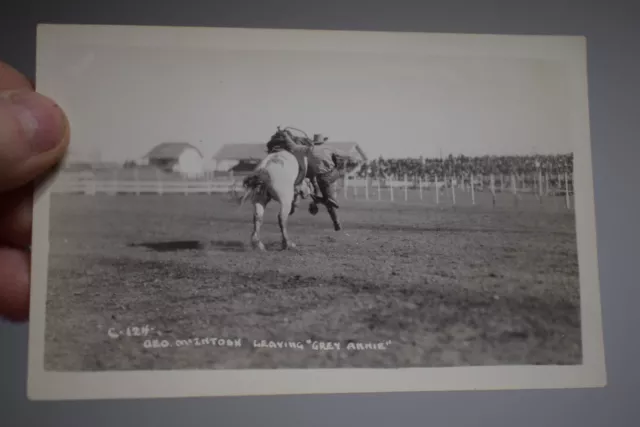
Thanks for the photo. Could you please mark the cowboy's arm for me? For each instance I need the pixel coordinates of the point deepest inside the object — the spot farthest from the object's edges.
(288, 141)
(337, 154)
(292, 146)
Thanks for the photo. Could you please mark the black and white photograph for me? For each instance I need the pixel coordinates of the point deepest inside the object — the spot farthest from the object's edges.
(256, 211)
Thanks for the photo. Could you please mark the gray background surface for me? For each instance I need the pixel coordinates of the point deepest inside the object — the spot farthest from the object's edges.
(613, 35)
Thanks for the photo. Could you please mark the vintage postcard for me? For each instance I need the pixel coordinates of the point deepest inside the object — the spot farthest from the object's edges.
(261, 212)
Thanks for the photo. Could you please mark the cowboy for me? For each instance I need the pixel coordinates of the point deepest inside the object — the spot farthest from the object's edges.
(323, 165)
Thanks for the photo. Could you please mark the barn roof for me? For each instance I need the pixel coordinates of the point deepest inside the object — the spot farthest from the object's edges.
(170, 150)
(259, 151)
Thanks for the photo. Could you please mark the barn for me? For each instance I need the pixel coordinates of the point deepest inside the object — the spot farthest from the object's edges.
(180, 157)
(242, 158)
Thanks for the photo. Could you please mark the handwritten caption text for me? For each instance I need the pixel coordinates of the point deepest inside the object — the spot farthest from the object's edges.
(154, 339)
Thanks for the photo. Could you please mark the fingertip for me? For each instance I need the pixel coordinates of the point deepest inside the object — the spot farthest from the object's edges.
(34, 135)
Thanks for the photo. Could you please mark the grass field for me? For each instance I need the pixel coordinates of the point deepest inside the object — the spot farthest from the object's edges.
(440, 286)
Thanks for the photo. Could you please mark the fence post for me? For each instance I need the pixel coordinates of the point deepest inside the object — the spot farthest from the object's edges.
(378, 184)
(437, 191)
(566, 190)
(514, 189)
(391, 182)
(546, 183)
(493, 189)
(473, 189)
(540, 182)
(406, 184)
(420, 184)
(366, 184)
(453, 190)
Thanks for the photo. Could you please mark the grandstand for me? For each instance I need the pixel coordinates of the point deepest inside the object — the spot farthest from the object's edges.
(464, 166)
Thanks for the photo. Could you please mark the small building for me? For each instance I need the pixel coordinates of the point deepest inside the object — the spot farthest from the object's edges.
(243, 158)
(180, 157)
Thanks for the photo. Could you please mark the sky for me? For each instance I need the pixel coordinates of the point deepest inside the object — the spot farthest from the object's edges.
(122, 101)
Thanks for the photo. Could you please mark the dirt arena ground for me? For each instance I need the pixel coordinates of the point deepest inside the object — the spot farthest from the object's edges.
(407, 284)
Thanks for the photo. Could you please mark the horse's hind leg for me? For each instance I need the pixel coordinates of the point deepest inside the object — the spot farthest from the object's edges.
(258, 218)
(294, 205)
(283, 216)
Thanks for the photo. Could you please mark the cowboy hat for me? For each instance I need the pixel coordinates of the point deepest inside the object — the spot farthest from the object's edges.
(319, 138)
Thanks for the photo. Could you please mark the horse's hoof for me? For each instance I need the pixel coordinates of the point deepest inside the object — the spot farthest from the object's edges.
(259, 246)
(313, 209)
(288, 246)
(337, 227)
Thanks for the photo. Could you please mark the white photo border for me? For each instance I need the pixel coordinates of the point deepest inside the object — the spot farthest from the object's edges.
(44, 385)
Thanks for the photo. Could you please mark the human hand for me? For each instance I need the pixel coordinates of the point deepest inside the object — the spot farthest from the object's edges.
(34, 135)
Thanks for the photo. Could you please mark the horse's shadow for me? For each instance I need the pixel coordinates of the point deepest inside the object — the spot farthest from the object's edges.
(170, 246)
(192, 245)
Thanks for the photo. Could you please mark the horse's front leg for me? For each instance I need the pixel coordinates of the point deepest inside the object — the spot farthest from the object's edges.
(258, 218)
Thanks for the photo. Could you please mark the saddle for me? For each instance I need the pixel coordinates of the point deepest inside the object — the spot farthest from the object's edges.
(278, 143)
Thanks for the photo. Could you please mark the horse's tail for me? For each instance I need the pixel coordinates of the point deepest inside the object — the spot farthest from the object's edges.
(254, 185)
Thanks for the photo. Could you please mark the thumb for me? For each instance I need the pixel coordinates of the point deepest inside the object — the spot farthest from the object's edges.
(34, 134)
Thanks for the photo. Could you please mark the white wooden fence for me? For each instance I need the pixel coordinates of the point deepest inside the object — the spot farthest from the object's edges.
(449, 190)
(75, 183)
(453, 189)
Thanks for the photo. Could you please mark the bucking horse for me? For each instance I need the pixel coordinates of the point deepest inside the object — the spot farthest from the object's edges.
(281, 176)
